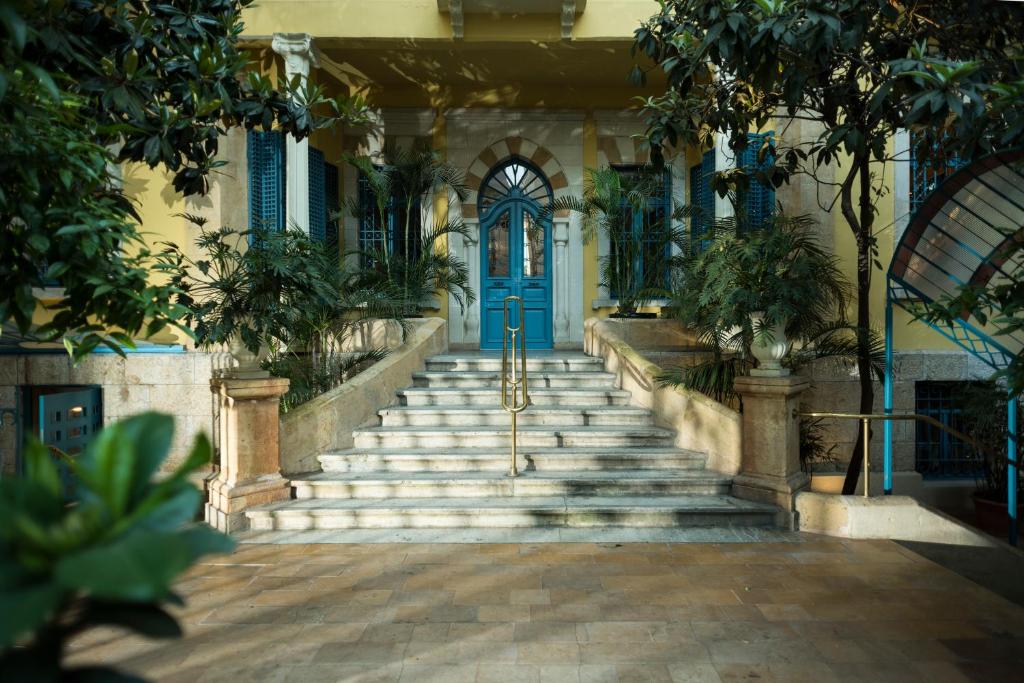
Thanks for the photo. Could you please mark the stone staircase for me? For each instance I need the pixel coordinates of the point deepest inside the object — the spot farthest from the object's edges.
(439, 459)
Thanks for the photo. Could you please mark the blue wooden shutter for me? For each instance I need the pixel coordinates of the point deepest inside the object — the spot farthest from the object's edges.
(333, 201)
(702, 200)
(266, 179)
(317, 197)
(759, 199)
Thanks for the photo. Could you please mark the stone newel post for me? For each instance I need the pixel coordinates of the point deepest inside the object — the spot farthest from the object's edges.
(770, 467)
(250, 450)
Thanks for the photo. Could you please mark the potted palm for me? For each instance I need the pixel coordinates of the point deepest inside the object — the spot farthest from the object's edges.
(630, 210)
(984, 412)
(246, 289)
(411, 257)
(765, 287)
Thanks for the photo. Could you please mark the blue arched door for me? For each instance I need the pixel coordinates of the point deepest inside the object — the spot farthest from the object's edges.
(515, 246)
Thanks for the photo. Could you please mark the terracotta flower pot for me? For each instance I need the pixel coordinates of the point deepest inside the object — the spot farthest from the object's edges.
(991, 515)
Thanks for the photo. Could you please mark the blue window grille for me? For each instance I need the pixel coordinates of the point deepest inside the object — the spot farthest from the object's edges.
(266, 179)
(647, 225)
(702, 200)
(373, 232)
(937, 454)
(332, 199)
(317, 196)
(928, 174)
(758, 200)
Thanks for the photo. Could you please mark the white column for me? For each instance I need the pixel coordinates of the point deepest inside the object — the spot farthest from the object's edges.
(471, 324)
(298, 52)
(561, 302)
(725, 159)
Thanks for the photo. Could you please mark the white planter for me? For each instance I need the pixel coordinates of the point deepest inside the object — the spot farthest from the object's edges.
(769, 352)
(248, 362)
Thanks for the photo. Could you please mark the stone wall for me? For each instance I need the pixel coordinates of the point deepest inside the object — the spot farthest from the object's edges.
(177, 383)
(326, 422)
(700, 423)
(837, 390)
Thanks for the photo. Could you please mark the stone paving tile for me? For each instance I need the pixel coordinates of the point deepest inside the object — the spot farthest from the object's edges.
(814, 610)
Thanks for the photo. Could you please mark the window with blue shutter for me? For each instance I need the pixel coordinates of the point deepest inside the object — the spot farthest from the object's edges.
(372, 233)
(317, 198)
(758, 200)
(702, 200)
(646, 225)
(266, 179)
(927, 174)
(332, 199)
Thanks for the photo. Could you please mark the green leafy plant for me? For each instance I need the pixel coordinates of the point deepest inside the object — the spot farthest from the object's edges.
(256, 284)
(105, 553)
(781, 270)
(814, 446)
(639, 256)
(412, 256)
(86, 86)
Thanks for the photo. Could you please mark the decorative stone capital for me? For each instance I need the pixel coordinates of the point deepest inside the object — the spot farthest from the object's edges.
(561, 231)
(472, 237)
(298, 51)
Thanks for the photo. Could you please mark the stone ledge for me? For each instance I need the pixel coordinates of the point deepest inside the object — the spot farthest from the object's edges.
(890, 517)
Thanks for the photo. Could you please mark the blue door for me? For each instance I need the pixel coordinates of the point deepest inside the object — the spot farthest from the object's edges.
(516, 248)
(68, 419)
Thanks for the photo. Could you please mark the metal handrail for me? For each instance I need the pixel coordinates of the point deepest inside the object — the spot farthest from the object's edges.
(519, 398)
(865, 421)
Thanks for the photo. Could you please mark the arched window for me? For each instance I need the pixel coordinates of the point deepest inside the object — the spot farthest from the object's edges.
(514, 178)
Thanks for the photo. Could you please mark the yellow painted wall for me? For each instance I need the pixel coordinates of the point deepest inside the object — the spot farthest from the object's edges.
(420, 20)
(908, 334)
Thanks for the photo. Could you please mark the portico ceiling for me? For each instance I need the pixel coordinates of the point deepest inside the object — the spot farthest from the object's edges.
(473, 65)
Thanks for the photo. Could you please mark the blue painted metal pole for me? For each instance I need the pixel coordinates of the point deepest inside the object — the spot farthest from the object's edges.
(887, 400)
(1011, 467)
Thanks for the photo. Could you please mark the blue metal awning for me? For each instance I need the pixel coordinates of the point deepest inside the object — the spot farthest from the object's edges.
(969, 231)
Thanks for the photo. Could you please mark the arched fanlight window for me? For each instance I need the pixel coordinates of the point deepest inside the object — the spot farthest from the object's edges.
(514, 178)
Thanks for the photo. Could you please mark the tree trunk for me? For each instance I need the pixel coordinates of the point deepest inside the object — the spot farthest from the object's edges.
(861, 225)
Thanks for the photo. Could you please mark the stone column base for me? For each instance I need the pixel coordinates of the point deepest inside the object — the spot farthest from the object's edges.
(776, 491)
(226, 508)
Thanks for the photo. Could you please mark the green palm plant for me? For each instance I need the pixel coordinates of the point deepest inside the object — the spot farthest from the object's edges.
(639, 257)
(398, 185)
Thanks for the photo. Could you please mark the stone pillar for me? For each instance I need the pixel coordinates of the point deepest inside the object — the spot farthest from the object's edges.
(770, 464)
(561, 312)
(725, 159)
(250, 450)
(471, 329)
(299, 53)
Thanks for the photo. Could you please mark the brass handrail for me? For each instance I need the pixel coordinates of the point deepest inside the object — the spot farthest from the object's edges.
(865, 421)
(519, 399)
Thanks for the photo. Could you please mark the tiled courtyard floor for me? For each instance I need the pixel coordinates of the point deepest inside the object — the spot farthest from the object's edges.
(817, 611)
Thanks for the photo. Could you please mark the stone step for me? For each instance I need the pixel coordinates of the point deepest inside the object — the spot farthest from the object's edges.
(497, 460)
(556, 511)
(492, 363)
(492, 380)
(455, 396)
(564, 416)
(529, 437)
(374, 485)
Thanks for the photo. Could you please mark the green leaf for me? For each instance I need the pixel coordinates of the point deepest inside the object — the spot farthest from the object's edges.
(140, 566)
(24, 609)
(40, 468)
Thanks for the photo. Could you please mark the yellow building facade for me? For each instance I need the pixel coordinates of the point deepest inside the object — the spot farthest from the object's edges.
(489, 84)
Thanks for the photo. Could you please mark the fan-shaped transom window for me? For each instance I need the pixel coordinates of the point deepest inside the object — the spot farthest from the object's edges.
(514, 178)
